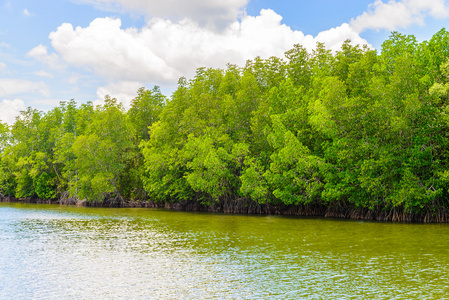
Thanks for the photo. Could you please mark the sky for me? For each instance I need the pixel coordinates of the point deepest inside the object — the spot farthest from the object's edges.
(57, 50)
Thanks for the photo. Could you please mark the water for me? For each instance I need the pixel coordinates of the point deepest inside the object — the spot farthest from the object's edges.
(54, 252)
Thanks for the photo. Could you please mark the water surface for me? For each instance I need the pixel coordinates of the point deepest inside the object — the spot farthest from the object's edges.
(50, 252)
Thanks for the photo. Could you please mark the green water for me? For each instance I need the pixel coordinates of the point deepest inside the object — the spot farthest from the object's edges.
(60, 252)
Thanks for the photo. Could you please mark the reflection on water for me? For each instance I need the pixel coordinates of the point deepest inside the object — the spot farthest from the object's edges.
(85, 253)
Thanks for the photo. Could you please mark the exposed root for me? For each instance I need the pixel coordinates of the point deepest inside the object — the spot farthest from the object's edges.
(247, 206)
(66, 199)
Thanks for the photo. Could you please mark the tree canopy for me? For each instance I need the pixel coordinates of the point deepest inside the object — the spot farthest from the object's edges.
(351, 129)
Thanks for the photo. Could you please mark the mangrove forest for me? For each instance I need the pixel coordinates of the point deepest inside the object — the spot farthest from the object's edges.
(353, 133)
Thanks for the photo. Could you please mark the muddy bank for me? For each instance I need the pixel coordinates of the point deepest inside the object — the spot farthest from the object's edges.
(241, 206)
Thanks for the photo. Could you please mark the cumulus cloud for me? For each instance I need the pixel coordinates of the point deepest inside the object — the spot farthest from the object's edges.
(10, 109)
(41, 54)
(334, 37)
(215, 14)
(3, 66)
(123, 91)
(110, 51)
(163, 50)
(399, 14)
(18, 86)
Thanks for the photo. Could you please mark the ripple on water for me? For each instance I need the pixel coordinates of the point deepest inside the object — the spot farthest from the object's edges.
(65, 252)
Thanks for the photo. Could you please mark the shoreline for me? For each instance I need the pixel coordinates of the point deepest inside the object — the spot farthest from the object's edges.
(252, 208)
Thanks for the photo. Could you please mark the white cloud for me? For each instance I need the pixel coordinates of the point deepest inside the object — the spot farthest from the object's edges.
(26, 13)
(40, 53)
(399, 14)
(211, 13)
(45, 104)
(40, 50)
(110, 51)
(123, 91)
(18, 86)
(334, 37)
(43, 73)
(73, 79)
(3, 66)
(10, 109)
(162, 51)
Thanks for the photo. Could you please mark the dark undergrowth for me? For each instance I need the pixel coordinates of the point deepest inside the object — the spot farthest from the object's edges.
(248, 207)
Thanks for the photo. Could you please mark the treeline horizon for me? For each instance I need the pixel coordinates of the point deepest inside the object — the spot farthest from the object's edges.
(351, 129)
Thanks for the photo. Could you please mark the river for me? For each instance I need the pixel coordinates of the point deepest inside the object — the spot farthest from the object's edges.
(68, 252)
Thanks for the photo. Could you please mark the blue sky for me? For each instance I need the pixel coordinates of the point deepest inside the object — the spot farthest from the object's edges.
(56, 50)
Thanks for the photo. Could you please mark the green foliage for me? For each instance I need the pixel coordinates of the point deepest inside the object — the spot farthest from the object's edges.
(213, 163)
(145, 110)
(294, 173)
(351, 129)
(101, 152)
(44, 186)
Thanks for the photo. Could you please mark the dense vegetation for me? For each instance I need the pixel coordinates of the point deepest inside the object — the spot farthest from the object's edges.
(348, 131)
